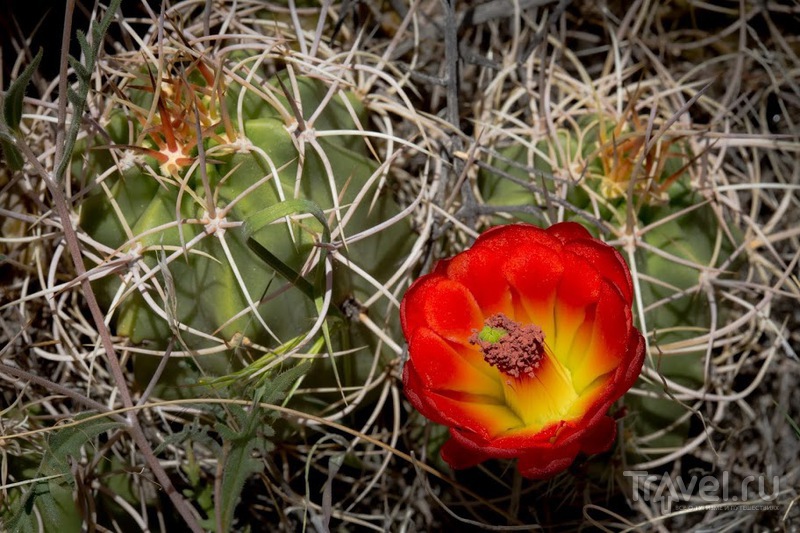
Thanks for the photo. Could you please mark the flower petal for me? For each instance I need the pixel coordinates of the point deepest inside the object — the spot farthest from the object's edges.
(516, 441)
(501, 447)
(607, 261)
(568, 231)
(628, 371)
(519, 252)
(500, 239)
(580, 285)
(547, 460)
(611, 329)
(478, 272)
(417, 395)
(533, 271)
(443, 305)
(543, 399)
(597, 396)
(543, 463)
(578, 292)
(486, 420)
(458, 456)
(441, 368)
(599, 437)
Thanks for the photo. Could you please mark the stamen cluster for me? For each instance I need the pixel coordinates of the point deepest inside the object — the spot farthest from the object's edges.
(518, 352)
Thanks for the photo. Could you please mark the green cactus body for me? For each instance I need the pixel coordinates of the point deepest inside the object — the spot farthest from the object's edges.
(515, 161)
(211, 282)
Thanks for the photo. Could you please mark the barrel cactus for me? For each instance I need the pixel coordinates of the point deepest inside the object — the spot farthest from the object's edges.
(638, 185)
(216, 199)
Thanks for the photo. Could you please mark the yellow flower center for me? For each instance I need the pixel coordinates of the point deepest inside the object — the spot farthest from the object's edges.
(536, 387)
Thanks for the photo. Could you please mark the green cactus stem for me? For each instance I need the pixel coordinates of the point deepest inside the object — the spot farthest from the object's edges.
(191, 264)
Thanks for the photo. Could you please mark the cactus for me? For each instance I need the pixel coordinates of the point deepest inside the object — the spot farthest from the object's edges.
(231, 254)
(681, 235)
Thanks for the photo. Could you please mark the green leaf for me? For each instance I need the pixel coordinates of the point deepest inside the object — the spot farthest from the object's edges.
(23, 519)
(283, 209)
(85, 46)
(274, 390)
(12, 102)
(79, 69)
(11, 116)
(78, 99)
(13, 158)
(240, 464)
(67, 442)
(275, 212)
(55, 506)
(192, 432)
(246, 433)
(74, 98)
(282, 268)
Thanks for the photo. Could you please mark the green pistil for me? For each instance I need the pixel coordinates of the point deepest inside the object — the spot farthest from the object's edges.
(492, 335)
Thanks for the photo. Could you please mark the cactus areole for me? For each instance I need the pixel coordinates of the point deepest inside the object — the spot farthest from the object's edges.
(521, 344)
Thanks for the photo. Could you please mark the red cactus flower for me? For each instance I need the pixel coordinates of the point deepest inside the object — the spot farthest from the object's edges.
(521, 344)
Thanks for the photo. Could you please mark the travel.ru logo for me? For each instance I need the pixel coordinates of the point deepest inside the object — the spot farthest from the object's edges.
(700, 491)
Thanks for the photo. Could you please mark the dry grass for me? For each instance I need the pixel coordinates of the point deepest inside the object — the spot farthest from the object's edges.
(448, 92)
